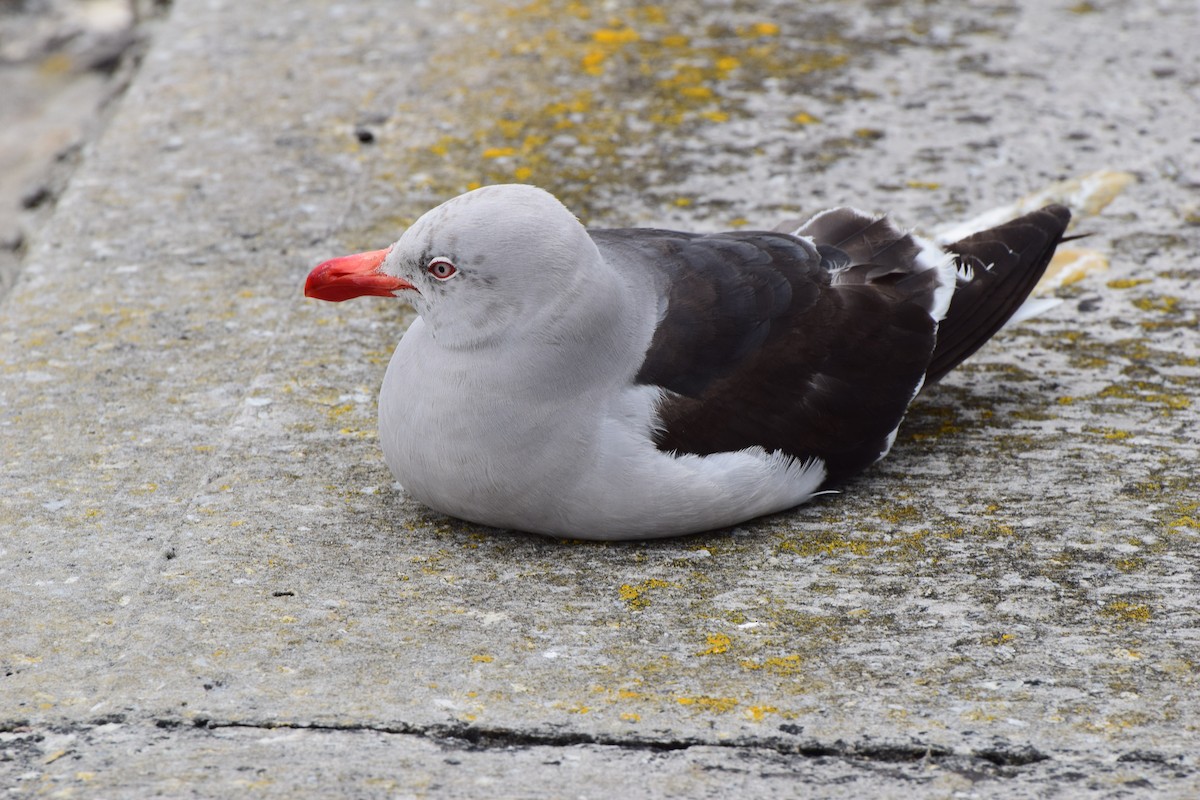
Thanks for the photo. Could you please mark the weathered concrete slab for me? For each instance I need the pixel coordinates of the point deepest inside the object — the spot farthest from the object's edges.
(204, 554)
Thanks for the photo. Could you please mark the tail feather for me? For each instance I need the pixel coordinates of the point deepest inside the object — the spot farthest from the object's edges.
(997, 269)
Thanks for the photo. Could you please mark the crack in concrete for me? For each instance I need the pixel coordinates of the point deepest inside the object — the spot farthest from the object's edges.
(480, 738)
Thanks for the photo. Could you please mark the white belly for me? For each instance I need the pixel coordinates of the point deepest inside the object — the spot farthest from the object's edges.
(479, 443)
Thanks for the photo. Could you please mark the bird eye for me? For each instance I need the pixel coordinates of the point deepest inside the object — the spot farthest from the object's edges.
(441, 269)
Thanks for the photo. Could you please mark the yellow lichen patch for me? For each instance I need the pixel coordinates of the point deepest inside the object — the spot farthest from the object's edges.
(1070, 265)
(827, 544)
(635, 596)
(980, 715)
(763, 29)
(998, 639)
(923, 185)
(933, 422)
(339, 410)
(756, 713)
(1164, 303)
(510, 128)
(720, 705)
(1126, 283)
(1109, 433)
(1087, 195)
(1095, 191)
(804, 118)
(679, 76)
(593, 60)
(612, 36)
(1126, 611)
(1149, 393)
(629, 716)
(483, 659)
(776, 665)
(899, 514)
(718, 643)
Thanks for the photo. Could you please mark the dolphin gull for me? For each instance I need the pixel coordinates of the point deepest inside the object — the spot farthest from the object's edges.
(639, 383)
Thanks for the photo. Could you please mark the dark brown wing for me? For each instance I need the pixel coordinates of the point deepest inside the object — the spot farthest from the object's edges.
(1002, 265)
(759, 345)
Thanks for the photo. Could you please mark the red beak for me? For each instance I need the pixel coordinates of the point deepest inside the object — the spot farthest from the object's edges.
(353, 276)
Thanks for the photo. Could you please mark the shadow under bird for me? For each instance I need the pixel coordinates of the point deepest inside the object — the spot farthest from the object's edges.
(639, 383)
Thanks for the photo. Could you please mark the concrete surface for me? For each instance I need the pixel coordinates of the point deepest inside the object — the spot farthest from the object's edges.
(209, 585)
(61, 61)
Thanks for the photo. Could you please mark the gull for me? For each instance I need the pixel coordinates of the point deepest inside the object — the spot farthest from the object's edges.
(639, 383)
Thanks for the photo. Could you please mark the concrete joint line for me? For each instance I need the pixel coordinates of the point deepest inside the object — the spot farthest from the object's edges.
(476, 738)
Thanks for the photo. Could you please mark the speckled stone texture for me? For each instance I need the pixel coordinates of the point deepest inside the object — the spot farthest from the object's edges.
(209, 584)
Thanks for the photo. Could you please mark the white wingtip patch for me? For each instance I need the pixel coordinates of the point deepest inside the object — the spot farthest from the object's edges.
(934, 257)
(1033, 307)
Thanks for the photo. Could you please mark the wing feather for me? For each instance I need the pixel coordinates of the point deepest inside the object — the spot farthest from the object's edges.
(759, 346)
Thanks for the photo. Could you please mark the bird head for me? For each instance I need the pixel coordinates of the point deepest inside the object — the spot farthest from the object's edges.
(484, 263)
